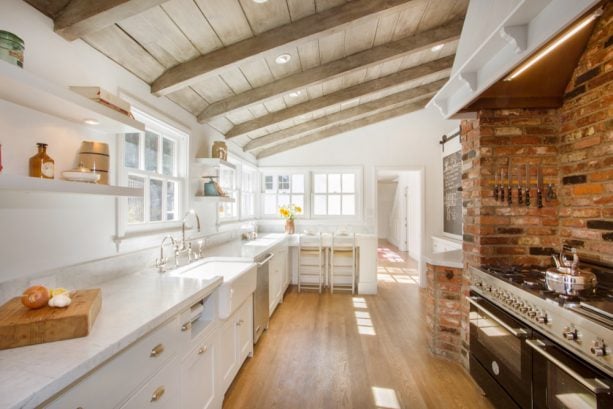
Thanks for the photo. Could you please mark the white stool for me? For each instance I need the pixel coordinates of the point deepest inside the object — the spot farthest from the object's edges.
(343, 262)
(311, 262)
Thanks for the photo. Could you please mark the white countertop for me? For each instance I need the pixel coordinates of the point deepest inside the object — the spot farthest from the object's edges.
(132, 306)
(453, 259)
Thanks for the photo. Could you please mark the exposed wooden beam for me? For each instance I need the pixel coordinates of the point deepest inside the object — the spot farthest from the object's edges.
(81, 17)
(272, 41)
(337, 129)
(364, 59)
(441, 67)
(369, 108)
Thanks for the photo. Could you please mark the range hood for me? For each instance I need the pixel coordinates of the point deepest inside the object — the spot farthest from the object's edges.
(498, 35)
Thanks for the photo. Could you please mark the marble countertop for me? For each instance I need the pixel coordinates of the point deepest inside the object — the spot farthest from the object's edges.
(132, 306)
(454, 259)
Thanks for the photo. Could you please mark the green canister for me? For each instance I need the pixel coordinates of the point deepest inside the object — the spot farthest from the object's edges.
(11, 48)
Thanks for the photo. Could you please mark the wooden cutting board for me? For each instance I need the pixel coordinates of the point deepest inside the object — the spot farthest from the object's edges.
(20, 326)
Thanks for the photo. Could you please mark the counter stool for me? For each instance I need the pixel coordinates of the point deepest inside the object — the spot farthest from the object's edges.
(343, 262)
(311, 262)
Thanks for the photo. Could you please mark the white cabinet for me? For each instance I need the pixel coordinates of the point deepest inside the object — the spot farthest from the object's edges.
(236, 342)
(278, 277)
(163, 391)
(199, 383)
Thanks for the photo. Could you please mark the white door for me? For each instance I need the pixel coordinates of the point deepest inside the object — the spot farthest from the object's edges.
(244, 333)
(228, 356)
(198, 377)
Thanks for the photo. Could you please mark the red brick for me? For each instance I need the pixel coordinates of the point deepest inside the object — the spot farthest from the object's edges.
(587, 189)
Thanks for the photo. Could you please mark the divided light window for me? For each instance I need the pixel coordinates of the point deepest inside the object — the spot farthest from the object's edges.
(282, 190)
(334, 194)
(248, 192)
(228, 183)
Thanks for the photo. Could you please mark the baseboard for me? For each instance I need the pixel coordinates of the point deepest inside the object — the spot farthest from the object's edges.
(367, 288)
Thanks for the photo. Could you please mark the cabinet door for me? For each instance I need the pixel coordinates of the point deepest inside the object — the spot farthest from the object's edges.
(228, 356)
(244, 324)
(274, 283)
(284, 271)
(198, 377)
(163, 391)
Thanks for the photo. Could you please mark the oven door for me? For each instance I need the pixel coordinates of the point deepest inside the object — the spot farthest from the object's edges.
(561, 381)
(498, 345)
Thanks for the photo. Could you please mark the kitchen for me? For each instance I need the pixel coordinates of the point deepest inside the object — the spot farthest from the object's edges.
(240, 109)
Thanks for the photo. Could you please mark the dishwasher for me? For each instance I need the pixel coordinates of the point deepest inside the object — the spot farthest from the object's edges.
(260, 300)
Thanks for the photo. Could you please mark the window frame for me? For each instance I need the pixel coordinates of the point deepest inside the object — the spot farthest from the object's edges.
(253, 190)
(181, 139)
(234, 192)
(275, 172)
(358, 189)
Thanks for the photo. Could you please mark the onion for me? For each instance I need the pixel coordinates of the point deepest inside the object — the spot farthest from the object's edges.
(35, 297)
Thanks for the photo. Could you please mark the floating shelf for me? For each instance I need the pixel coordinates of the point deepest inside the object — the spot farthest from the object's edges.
(220, 199)
(29, 90)
(29, 184)
(215, 162)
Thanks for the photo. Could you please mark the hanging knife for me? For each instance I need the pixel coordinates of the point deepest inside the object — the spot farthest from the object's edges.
(520, 193)
(527, 185)
(502, 184)
(539, 188)
(509, 189)
(495, 184)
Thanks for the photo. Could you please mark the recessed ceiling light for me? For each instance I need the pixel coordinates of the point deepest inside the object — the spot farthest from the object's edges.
(295, 94)
(436, 48)
(283, 59)
(91, 121)
(260, 1)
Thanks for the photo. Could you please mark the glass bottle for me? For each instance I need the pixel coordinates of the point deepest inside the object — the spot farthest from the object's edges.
(41, 165)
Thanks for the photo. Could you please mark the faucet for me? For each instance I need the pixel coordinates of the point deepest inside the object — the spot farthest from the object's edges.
(183, 248)
(161, 262)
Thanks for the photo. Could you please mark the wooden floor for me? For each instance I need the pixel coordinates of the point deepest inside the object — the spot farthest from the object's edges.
(343, 351)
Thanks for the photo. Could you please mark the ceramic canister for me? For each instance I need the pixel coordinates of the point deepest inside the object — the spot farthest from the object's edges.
(95, 156)
(11, 48)
(220, 150)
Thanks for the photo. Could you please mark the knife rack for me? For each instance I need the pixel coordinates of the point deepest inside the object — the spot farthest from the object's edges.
(522, 191)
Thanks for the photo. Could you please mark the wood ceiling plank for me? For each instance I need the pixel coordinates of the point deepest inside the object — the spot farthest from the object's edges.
(390, 67)
(257, 73)
(334, 69)
(284, 70)
(309, 55)
(50, 8)
(332, 47)
(213, 89)
(272, 41)
(360, 37)
(385, 28)
(435, 70)
(188, 99)
(300, 8)
(315, 91)
(394, 100)
(275, 105)
(409, 19)
(327, 4)
(82, 17)
(236, 80)
(265, 16)
(440, 11)
(240, 116)
(194, 25)
(295, 100)
(353, 78)
(221, 124)
(341, 128)
(160, 36)
(258, 110)
(333, 85)
(227, 19)
(119, 47)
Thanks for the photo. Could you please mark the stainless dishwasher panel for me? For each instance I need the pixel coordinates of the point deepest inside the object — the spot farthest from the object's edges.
(260, 300)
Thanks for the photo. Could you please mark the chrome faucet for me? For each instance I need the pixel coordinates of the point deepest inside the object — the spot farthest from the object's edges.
(161, 262)
(183, 248)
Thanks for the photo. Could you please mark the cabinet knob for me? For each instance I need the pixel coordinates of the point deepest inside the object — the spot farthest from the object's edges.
(157, 350)
(203, 349)
(157, 394)
(240, 322)
(186, 327)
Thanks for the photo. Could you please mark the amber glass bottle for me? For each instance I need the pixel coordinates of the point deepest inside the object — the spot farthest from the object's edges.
(41, 165)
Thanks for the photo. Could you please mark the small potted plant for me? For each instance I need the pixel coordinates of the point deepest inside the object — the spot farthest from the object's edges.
(289, 214)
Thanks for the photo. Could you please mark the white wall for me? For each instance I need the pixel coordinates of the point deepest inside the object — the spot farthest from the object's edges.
(41, 232)
(414, 210)
(385, 199)
(407, 141)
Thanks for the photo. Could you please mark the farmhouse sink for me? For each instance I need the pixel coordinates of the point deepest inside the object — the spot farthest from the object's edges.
(239, 279)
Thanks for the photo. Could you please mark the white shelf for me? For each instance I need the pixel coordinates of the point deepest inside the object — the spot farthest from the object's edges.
(26, 89)
(29, 184)
(224, 199)
(215, 162)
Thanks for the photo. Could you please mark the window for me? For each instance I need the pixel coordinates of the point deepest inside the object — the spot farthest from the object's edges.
(152, 161)
(248, 191)
(228, 183)
(334, 194)
(282, 190)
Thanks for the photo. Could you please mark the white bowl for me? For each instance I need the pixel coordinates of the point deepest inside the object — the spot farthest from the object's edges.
(89, 177)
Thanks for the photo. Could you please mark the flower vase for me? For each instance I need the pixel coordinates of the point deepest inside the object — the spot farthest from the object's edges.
(290, 227)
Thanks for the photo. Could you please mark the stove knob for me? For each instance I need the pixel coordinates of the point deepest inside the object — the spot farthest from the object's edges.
(517, 304)
(523, 309)
(570, 333)
(598, 348)
(541, 318)
(479, 284)
(532, 313)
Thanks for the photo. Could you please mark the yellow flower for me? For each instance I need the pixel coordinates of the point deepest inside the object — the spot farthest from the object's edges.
(298, 209)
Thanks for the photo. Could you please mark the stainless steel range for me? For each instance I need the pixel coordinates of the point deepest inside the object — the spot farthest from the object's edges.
(534, 348)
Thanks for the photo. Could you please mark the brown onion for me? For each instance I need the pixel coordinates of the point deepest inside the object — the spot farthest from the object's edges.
(35, 297)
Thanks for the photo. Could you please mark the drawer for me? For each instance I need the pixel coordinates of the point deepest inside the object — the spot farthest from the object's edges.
(163, 391)
(110, 384)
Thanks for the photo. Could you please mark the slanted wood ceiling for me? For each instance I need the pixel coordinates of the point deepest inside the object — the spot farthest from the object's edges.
(352, 63)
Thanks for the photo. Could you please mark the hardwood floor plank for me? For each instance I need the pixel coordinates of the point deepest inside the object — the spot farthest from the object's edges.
(313, 355)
